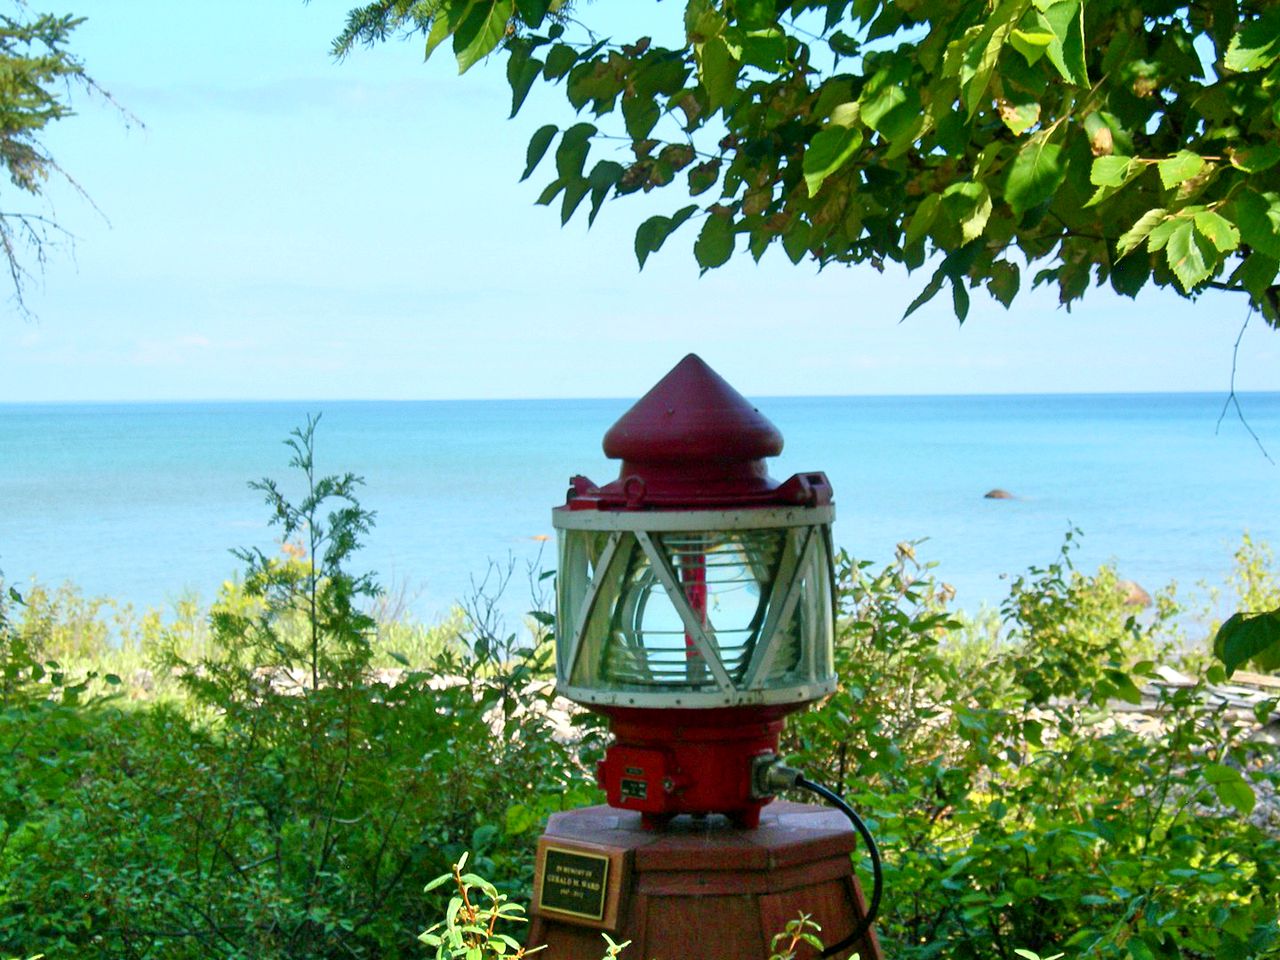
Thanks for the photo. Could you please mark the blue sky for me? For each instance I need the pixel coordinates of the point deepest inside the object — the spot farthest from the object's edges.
(279, 225)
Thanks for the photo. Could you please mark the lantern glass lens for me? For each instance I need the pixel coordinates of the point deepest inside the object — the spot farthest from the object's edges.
(697, 611)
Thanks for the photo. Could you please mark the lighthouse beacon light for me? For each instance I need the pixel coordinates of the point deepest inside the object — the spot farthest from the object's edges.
(695, 598)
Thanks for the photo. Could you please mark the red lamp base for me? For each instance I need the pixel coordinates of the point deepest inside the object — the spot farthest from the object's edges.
(667, 762)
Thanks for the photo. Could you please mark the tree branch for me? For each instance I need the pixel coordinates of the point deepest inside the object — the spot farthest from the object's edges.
(1232, 398)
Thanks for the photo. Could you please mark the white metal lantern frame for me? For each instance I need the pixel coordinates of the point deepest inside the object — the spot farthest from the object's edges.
(614, 563)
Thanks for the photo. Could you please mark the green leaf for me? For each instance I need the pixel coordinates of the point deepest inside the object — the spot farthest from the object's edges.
(538, 144)
(1256, 274)
(1256, 45)
(471, 44)
(1110, 174)
(765, 49)
(574, 192)
(718, 71)
(1065, 20)
(703, 177)
(519, 819)
(959, 298)
(1244, 636)
(983, 54)
(954, 267)
(795, 240)
(1019, 117)
(828, 150)
(1258, 217)
(922, 219)
(843, 45)
(968, 204)
(1255, 159)
(572, 152)
(522, 71)
(1123, 687)
(890, 102)
(1218, 230)
(604, 176)
(1111, 171)
(1036, 174)
(532, 12)
(1129, 275)
(702, 20)
(550, 192)
(755, 14)
(714, 245)
(1230, 786)
(1004, 282)
(653, 233)
(438, 882)
(440, 30)
(560, 60)
(1031, 44)
(1140, 230)
(1191, 256)
(640, 114)
(928, 293)
(1158, 239)
(1182, 166)
(660, 74)
(594, 82)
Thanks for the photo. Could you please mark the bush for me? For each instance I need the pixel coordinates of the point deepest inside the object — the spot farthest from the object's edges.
(1015, 808)
(296, 801)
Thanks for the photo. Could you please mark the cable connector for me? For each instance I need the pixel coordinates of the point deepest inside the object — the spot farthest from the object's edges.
(769, 775)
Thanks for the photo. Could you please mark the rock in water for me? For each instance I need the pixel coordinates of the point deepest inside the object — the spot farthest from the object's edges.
(1134, 595)
(998, 494)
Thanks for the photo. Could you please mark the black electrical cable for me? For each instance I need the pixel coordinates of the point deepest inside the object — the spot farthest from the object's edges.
(877, 872)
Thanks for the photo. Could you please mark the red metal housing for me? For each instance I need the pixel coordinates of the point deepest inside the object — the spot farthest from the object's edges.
(667, 762)
(692, 443)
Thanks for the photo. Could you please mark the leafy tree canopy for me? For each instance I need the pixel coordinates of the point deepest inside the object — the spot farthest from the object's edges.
(999, 143)
(37, 72)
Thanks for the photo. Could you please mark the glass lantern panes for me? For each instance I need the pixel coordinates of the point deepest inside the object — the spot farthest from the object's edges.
(709, 614)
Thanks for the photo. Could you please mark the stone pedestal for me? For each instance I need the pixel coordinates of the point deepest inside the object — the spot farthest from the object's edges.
(696, 889)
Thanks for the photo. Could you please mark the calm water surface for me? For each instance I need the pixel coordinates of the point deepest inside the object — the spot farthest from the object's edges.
(143, 501)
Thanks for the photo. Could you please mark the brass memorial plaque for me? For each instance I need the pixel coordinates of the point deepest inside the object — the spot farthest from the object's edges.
(574, 883)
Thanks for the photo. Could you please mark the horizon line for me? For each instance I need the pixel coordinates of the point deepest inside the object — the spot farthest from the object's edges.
(174, 401)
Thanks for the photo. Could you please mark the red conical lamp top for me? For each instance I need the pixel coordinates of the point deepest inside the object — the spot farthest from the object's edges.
(692, 415)
(691, 442)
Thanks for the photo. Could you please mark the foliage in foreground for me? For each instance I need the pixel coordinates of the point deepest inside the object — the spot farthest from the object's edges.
(1107, 142)
(1252, 633)
(1021, 810)
(293, 801)
(281, 796)
(470, 928)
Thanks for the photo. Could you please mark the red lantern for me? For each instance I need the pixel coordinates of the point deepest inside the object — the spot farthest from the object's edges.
(695, 600)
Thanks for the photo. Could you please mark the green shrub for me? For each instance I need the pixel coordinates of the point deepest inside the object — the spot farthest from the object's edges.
(294, 803)
(1257, 622)
(1014, 809)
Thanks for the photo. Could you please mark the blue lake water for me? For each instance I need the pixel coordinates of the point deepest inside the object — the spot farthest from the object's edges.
(142, 502)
